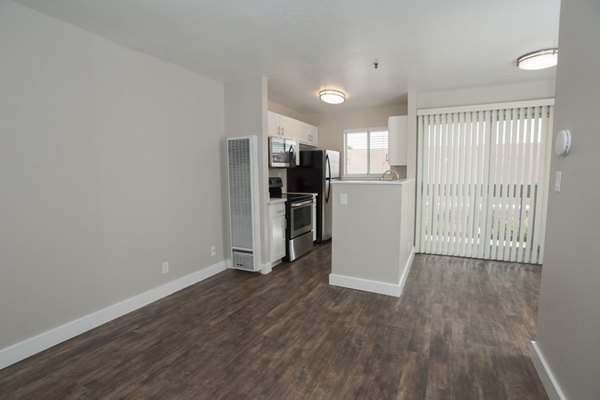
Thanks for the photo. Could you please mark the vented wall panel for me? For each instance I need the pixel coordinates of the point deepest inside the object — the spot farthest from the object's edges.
(242, 158)
(243, 261)
(240, 199)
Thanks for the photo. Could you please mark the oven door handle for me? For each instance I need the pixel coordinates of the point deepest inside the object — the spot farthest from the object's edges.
(301, 203)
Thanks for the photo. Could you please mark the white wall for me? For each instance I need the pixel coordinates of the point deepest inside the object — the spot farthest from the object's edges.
(373, 235)
(366, 232)
(411, 140)
(109, 165)
(407, 223)
(487, 94)
(246, 110)
(569, 311)
(289, 112)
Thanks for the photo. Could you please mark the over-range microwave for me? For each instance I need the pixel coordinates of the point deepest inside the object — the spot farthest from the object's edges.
(283, 153)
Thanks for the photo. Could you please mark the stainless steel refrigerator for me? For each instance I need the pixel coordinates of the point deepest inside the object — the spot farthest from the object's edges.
(316, 170)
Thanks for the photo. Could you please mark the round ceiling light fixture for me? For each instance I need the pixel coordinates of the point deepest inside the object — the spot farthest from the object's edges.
(538, 59)
(332, 96)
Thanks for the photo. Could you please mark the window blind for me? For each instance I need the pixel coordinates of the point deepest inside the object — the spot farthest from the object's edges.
(482, 181)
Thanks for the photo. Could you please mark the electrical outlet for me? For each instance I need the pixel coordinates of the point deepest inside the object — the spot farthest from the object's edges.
(165, 267)
(213, 251)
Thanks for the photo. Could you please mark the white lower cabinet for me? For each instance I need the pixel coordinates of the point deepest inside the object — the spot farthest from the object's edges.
(277, 231)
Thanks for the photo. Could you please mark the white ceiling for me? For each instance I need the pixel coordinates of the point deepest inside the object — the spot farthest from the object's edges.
(303, 46)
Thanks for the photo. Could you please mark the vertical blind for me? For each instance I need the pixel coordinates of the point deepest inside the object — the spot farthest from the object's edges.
(482, 180)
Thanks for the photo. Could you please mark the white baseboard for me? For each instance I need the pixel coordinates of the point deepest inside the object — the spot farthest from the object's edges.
(19, 351)
(407, 267)
(545, 373)
(365, 285)
(389, 289)
(266, 268)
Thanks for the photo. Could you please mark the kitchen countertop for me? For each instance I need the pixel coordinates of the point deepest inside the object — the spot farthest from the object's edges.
(274, 200)
(372, 182)
(309, 193)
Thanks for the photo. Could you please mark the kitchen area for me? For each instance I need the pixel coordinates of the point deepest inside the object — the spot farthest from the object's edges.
(310, 202)
(300, 176)
(298, 161)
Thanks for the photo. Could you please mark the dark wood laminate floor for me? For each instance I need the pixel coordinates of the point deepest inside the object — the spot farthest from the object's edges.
(461, 330)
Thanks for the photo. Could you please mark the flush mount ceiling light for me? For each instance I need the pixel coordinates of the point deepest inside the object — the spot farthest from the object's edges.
(538, 59)
(332, 96)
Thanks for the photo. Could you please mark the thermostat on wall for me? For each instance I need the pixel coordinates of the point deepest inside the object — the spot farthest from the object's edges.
(562, 144)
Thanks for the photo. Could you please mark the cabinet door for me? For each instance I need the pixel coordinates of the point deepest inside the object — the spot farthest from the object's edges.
(397, 128)
(313, 136)
(304, 133)
(273, 128)
(279, 239)
(277, 231)
(290, 127)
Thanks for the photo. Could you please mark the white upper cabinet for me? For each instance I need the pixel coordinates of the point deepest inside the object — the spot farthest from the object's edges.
(273, 126)
(398, 130)
(290, 128)
(313, 135)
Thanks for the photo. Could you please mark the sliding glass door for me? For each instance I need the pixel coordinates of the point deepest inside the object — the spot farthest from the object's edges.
(482, 180)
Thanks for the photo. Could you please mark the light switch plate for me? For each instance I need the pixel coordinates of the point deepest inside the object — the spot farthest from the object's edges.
(557, 181)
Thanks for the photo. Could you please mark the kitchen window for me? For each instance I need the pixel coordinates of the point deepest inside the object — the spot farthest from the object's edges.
(366, 152)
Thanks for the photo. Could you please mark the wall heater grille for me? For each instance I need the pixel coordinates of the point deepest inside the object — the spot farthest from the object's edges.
(242, 159)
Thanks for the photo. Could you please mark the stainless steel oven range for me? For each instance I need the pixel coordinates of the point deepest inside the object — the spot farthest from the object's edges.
(298, 234)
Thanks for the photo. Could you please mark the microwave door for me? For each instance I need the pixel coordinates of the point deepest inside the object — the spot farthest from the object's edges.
(291, 155)
(278, 157)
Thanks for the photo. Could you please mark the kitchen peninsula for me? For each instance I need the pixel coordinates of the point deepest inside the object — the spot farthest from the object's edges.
(373, 235)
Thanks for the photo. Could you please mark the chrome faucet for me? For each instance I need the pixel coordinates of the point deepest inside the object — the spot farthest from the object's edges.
(390, 171)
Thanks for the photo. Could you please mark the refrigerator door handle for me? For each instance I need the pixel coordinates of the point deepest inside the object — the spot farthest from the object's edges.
(328, 179)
